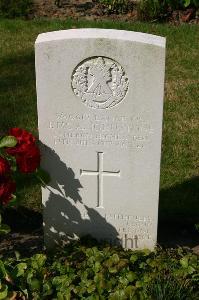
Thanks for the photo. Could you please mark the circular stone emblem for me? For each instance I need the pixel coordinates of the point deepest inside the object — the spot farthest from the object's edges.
(100, 82)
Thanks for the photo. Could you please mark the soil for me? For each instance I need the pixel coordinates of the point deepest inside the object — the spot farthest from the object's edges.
(26, 234)
(78, 9)
(93, 10)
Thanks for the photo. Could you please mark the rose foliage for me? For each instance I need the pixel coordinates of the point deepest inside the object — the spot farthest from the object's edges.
(19, 153)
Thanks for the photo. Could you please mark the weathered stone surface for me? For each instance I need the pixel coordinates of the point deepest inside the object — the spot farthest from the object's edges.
(100, 102)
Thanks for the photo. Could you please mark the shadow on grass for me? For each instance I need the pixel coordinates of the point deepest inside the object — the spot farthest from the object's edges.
(17, 91)
(178, 214)
(180, 202)
(17, 71)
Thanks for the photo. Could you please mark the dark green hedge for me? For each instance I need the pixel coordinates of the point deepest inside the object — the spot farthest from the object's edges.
(15, 8)
(160, 9)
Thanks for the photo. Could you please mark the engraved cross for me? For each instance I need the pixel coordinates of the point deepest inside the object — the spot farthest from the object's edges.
(100, 173)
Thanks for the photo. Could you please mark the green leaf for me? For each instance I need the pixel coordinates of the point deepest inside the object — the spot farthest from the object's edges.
(97, 266)
(131, 276)
(63, 296)
(38, 261)
(19, 269)
(12, 162)
(139, 284)
(30, 275)
(3, 291)
(142, 265)
(3, 273)
(4, 229)
(187, 2)
(118, 295)
(190, 270)
(124, 281)
(91, 288)
(197, 227)
(63, 282)
(25, 292)
(122, 263)
(112, 270)
(115, 258)
(184, 262)
(17, 255)
(133, 258)
(47, 289)
(130, 292)
(35, 284)
(8, 141)
(13, 201)
(43, 176)
(146, 252)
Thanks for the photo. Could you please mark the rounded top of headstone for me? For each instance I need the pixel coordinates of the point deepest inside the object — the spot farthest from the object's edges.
(93, 33)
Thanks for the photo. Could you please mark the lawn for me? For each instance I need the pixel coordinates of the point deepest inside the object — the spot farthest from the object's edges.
(179, 182)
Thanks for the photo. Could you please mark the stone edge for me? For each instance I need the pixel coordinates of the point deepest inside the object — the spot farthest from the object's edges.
(93, 33)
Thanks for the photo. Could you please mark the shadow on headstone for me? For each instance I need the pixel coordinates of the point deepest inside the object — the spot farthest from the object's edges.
(62, 219)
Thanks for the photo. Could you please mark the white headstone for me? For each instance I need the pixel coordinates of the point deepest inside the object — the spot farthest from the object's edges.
(100, 103)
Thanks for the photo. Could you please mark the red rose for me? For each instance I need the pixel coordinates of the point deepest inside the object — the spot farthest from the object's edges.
(23, 137)
(4, 166)
(28, 161)
(7, 188)
(26, 152)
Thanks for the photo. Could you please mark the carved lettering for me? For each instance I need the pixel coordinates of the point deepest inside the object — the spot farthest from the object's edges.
(86, 130)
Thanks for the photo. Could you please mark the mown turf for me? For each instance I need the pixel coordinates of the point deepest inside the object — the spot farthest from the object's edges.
(179, 183)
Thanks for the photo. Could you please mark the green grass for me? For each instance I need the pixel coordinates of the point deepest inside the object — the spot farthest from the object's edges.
(179, 194)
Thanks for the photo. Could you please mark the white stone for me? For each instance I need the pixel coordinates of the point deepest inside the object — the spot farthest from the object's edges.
(100, 104)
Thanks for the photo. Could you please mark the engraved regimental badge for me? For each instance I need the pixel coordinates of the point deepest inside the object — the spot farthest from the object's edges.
(100, 82)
